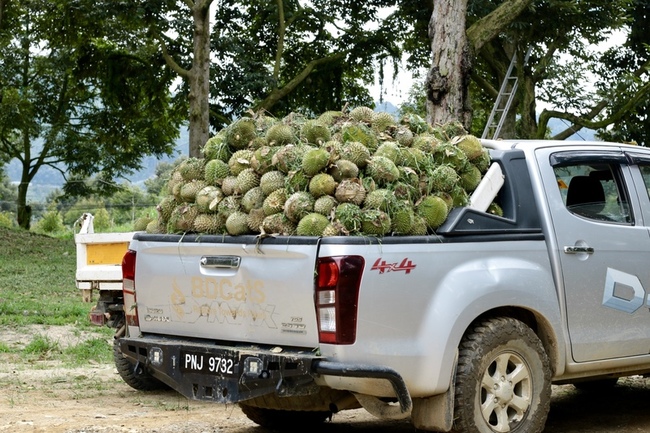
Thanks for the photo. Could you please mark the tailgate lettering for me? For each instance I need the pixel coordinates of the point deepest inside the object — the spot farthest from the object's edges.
(213, 288)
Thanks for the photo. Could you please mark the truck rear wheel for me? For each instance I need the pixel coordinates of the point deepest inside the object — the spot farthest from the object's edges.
(503, 379)
(141, 381)
(286, 420)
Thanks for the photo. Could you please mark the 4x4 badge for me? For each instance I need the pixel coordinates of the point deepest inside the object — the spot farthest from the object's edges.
(380, 265)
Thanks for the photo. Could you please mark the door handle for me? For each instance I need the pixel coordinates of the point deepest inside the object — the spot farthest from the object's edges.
(578, 250)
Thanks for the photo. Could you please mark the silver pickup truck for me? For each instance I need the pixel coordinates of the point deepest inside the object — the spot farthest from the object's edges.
(461, 330)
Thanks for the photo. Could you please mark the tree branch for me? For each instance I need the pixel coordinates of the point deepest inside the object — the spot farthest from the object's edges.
(182, 72)
(280, 49)
(488, 27)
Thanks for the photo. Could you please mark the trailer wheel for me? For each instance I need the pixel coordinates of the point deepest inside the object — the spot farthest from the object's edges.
(285, 420)
(141, 381)
(503, 379)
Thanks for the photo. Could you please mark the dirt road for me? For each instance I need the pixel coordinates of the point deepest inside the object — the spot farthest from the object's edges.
(43, 397)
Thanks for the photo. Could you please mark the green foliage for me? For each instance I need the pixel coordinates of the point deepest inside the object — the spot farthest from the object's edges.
(7, 220)
(41, 346)
(102, 220)
(93, 350)
(52, 222)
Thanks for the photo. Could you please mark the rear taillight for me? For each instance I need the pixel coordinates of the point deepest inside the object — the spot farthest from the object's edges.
(128, 288)
(336, 298)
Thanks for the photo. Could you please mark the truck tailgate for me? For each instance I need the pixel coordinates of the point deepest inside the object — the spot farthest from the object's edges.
(232, 289)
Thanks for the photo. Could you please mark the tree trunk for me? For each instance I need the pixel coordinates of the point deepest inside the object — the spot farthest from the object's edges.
(199, 79)
(448, 79)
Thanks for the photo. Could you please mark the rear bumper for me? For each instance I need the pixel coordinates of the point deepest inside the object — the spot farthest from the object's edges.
(226, 374)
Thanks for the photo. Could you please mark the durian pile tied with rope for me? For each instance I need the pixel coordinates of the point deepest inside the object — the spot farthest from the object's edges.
(358, 172)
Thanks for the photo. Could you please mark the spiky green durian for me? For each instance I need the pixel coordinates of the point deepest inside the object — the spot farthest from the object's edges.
(217, 148)
(229, 185)
(312, 224)
(280, 134)
(460, 196)
(470, 178)
(182, 219)
(192, 169)
(495, 209)
(255, 219)
(298, 205)
(419, 226)
(263, 123)
(315, 132)
(453, 128)
(155, 227)
(240, 133)
(404, 136)
(343, 169)
(390, 150)
(216, 171)
(271, 181)
(165, 208)
(288, 158)
(349, 215)
(174, 180)
(296, 181)
(315, 161)
(237, 224)
(382, 199)
(246, 180)
(444, 178)
(332, 229)
(228, 205)
(402, 219)
(253, 199)
(356, 152)
(208, 198)
(240, 161)
(469, 145)
(278, 224)
(483, 162)
(405, 191)
(322, 184)
(362, 114)
(415, 123)
(190, 189)
(324, 205)
(414, 158)
(361, 134)
(329, 117)
(382, 120)
(375, 222)
(176, 191)
(434, 211)
(382, 170)
(262, 160)
(209, 223)
(141, 223)
(274, 203)
(426, 142)
(447, 153)
(350, 191)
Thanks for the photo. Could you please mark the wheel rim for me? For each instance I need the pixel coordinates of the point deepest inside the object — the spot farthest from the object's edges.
(506, 392)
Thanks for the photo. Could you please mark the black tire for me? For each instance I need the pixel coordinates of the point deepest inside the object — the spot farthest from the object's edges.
(596, 385)
(142, 381)
(503, 379)
(285, 420)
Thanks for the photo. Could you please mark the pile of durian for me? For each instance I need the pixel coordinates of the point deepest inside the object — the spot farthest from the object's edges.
(356, 172)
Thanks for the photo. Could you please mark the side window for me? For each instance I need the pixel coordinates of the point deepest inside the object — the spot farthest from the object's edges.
(645, 172)
(594, 191)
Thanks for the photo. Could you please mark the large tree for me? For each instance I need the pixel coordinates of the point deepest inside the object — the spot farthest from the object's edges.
(79, 94)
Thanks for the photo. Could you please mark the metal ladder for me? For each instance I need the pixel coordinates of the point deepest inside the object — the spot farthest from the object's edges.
(508, 89)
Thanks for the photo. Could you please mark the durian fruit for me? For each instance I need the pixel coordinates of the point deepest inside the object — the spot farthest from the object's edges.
(216, 171)
(191, 169)
(332, 229)
(141, 223)
(247, 179)
(182, 218)
(280, 134)
(459, 196)
(240, 133)
(483, 162)
(349, 215)
(325, 204)
(274, 203)
(375, 222)
(361, 134)
(402, 219)
(175, 179)
(278, 224)
(495, 209)
(382, 170)
(322, 184)
(357, 153)
(237, 223)
(415, 123)
(404, 136)
(217, 148)
(343, 169)
(228, 206)
(288, 158)
(362, 114)
(298, 205)
(329, 117)
(470, 178)
(229, 185)
(350, 191)
(253, 199)
(434, 211)
(208, 198)
(155, 227)
(296, 181)
(262, 160)
(255, 220)
(444, 178)
(469, 145)
(271, 181)
(209, 223)
(390, 150)
(447, 153)
(314, 161)
(315, 132)
(419, 227)
(382, 120)
(453, 128)
(190, 189)
(414, 158)
(312, 224)
(381, 198)
(165, 208)
(240, 161)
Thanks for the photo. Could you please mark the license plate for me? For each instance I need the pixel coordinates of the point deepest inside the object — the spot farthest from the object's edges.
(209, 363)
